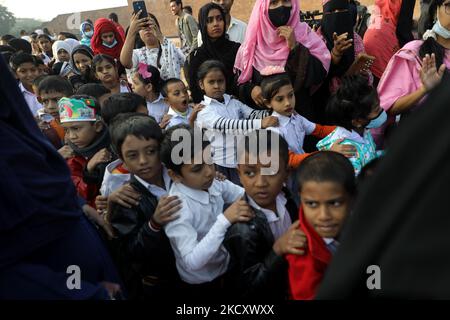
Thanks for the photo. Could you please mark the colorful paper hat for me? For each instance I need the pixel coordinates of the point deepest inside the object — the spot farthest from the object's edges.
(74, 110)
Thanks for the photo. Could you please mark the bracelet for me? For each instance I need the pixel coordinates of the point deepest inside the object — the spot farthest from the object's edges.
(154, 225)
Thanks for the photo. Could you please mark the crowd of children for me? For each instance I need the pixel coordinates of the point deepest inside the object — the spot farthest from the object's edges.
(209, 200)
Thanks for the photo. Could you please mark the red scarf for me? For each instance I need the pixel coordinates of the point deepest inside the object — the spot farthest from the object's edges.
(306, 272)
(101, 26)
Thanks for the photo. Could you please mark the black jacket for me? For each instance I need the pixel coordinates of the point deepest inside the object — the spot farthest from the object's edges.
(255, 271)
(146, 259)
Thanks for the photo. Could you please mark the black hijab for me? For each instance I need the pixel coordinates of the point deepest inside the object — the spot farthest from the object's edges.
(221, 49)
(80, 49)
(38, 201)
(339, 22)
(401, 219)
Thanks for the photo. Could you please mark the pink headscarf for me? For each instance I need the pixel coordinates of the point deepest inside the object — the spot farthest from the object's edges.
(263, 47)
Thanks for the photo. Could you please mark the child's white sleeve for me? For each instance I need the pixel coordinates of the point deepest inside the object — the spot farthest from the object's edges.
(206, 119)
(231, 192)
(190, 252)
(307, 125)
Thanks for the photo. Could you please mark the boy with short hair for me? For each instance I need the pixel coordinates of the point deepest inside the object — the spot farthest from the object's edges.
(88, 137)
(176, 96)
(26, 70)
(145, 258)
(196, 236)
(49, 91)
(258, 269)
(121, 103)
(327, 187)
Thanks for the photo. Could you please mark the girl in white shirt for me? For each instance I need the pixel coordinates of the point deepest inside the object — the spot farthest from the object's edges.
(226, 118)
(106, 70)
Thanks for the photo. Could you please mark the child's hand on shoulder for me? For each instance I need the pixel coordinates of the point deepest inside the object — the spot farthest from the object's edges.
(165, 121)
(126, 196)
(100, 157)
(270, 121)
(293, 241)
(195, 110)
(239, 211)
(166, 209)
(346, 149)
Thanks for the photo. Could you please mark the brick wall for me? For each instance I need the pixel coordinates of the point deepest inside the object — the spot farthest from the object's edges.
(241, 10)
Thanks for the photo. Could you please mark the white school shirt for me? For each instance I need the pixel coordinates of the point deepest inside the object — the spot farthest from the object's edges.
(196, 236)
(178, 118)
(293, 129)
(31, 100)
(224, 143)
(113, 181)
(158, 108)
(278, 223)
(157, 191)
(236, 31)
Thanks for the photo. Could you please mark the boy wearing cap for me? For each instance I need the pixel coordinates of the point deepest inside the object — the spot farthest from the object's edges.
(89, 139)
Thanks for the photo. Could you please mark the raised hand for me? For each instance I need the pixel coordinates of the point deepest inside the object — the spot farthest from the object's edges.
(429, 74)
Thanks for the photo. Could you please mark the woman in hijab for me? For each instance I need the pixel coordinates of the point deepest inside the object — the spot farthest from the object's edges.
(44, 236)
(81, 62)
(62, 51)
(389, 30)
(87, 32)
(106, 39)
(216, 46)
(277, 40)
(345, 45)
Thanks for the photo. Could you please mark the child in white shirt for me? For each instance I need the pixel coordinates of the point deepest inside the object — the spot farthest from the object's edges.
(176, 96)
(226, 118)
(197, 235)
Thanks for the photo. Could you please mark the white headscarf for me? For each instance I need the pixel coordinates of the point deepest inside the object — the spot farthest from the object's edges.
(58, 45)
